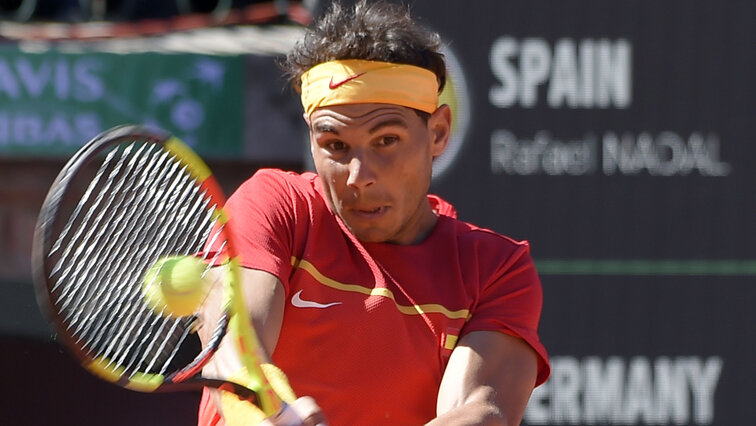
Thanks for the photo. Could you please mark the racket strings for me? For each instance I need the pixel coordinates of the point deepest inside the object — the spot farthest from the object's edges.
(90, 238)
(86, 263)
(180, 244)
(153, 329)
(80, 246)
(82, 203)
(140, 207)
(142, 323)
(73, 250)
(168, 340)
(98, 270)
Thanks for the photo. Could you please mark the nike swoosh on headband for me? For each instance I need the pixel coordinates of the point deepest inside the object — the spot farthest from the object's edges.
(332, 85)
(297, 301)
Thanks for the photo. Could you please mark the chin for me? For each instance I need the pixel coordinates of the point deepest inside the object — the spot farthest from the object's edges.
(370, 235)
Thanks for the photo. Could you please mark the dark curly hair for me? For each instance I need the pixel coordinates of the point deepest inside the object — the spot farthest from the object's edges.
(379, 31)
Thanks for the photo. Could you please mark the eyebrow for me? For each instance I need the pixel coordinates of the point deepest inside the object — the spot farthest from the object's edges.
(387, 123)
(328, 128)
(325, 128)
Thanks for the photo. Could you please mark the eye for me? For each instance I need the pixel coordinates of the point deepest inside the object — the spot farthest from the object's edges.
(388, 140)
(336, 146)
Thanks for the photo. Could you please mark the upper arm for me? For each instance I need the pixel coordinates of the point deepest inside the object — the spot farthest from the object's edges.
(264, 297)
(489, 378)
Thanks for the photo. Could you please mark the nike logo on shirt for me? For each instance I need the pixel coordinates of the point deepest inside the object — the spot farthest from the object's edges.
(332, 85)
(297, 301)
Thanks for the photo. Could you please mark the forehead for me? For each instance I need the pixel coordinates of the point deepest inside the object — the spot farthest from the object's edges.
(358, 115)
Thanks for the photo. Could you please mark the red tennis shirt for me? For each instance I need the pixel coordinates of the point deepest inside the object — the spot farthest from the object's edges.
(369, 327)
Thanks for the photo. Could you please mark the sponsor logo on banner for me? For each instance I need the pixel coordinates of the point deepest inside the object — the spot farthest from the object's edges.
(52, 102)
(620, 391)
(456, 95)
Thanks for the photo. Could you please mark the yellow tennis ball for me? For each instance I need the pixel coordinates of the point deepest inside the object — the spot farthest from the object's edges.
(174, 285)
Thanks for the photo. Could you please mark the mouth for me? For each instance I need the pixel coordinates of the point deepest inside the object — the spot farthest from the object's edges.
(369, 212)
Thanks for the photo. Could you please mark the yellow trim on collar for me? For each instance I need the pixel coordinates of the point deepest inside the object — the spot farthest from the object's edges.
(356, 81)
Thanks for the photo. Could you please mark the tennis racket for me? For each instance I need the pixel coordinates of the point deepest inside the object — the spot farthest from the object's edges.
(130, 197)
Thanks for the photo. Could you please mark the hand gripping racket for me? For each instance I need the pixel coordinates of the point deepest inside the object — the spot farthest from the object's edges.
(127, 199)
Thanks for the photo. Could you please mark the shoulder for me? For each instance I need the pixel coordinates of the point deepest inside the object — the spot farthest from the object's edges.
(280, 178)
(485, 244)
(275, 184)
(470, 235)
(496, 258)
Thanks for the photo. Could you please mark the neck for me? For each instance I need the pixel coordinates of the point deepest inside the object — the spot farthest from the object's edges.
(424, 222)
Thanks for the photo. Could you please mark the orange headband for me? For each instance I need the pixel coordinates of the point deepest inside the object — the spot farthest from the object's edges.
(356, 81)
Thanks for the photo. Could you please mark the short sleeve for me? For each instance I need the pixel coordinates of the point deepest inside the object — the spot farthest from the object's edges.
(510, 302)
(262, 215)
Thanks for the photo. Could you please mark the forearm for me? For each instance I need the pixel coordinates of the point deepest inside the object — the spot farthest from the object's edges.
(487, 381)
(473, 413)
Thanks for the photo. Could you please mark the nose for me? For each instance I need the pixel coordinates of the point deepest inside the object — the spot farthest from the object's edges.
(361, 174)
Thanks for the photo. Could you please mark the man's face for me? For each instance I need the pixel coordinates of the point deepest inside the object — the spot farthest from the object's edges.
(375, 164)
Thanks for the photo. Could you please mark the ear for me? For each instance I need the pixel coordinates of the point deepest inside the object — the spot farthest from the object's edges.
(306, 118)
(439, 125)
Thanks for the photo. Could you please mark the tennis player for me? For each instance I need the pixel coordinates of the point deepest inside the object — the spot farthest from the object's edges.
(378, 303)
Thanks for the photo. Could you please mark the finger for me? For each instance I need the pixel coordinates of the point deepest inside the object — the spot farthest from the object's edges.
(303, 411)
(309, 412)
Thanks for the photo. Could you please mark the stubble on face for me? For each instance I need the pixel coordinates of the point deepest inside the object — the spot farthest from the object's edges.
(375, 166)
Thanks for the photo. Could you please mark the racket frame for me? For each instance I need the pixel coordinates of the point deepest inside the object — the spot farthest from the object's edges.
(234, 318)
